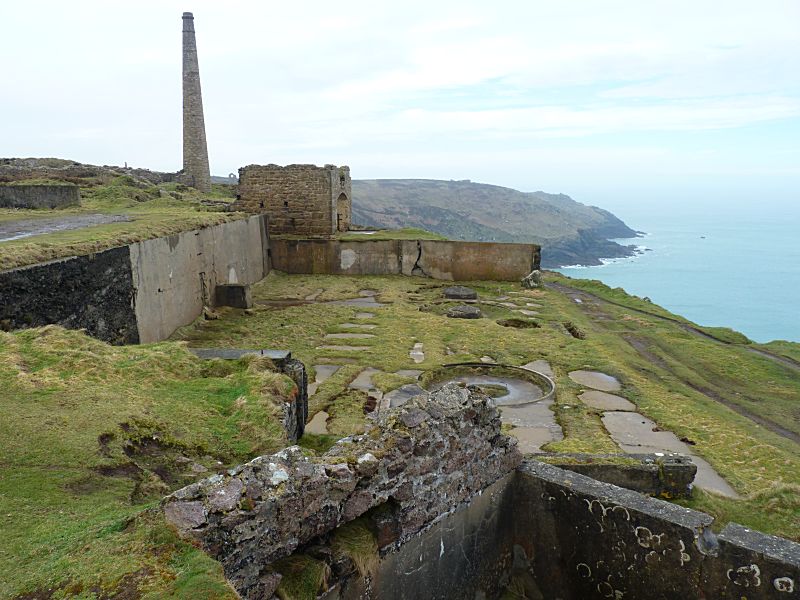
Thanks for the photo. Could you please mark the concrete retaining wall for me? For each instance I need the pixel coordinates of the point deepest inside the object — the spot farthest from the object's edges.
(175, 276)
(39, 196)
(448, 260)
(137, 293)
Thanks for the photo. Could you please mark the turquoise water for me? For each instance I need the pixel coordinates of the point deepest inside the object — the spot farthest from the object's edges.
(732, 266)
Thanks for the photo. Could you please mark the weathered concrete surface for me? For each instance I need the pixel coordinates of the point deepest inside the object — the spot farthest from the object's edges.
(596, 380)
(464, 556)
(664, 476)
(175, 276)
(92, 292)
(587, 539)
(39, 196)
(236, 295)
(446, 260)
(428, 457)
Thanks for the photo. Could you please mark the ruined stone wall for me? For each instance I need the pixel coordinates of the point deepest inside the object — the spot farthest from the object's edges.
(299, 199)
(39, 196)
(422, 461)
(446, 260)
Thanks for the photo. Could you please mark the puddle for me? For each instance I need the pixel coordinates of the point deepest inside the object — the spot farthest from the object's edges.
(596, 380)
(15, 230)
(540, 366)
(343, 348)
(321, 373)
(604, 401)
(318, 423)
(634, 434)
(362, 232)
(349, 336)
(357, 326)
(416, 353)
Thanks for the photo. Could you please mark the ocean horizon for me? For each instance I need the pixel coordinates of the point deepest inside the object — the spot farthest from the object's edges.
(732, 266)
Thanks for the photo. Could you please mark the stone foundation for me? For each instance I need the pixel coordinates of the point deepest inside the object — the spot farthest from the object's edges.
(39, 196)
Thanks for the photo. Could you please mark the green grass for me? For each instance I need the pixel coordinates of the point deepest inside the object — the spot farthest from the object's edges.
(750, 457)
(784, 348)
(154, 211)
(303, 577)
(93, 434)
(408, 233)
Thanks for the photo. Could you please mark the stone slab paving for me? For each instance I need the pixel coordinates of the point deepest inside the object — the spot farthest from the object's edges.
(605, 401)
(487, 360)
(366, 302)
(526, 312)
(403, 394)
(315, 294)
(595, 379)
(636, 434)
(321, 373)
(533, 305)
(357, 326)
(349, 336)
(540, 366)
(365, 315)
(509, 305)
(416, 353)
(343, 348)
(367, 293)
(318, 424)
(363, 380)
(415, 373)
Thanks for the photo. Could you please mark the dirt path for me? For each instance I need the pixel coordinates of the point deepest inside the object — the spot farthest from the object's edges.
(592, 306)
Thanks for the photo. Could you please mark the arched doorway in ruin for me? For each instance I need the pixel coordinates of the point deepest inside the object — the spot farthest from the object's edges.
(342, 212)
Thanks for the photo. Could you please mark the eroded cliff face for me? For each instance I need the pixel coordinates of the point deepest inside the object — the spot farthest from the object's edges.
(426, 458)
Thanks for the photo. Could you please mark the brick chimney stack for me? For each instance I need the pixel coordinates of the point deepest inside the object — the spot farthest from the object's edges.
(195, 151)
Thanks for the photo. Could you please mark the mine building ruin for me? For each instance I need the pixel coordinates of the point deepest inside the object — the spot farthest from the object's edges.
(298, 199)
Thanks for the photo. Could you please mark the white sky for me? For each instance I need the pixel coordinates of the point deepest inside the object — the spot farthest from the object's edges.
(603, 100)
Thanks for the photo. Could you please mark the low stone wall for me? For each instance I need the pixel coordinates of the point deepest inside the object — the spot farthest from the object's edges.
(423, 460)
(39, 196)
(137, 293)
(447, 260)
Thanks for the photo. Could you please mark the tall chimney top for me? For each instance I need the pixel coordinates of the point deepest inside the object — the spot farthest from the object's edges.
(188, 15)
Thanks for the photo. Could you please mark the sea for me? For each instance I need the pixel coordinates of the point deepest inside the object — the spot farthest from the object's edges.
(717, 264)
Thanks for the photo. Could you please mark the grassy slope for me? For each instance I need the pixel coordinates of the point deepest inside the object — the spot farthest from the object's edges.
(73, 525)
(93, 434)
(761, 465)
(151, 216)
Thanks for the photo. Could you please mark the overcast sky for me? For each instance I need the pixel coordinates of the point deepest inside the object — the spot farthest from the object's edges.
(598, 99)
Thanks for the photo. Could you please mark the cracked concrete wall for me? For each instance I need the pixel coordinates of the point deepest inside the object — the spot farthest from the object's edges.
(174, 277)
(446, 260)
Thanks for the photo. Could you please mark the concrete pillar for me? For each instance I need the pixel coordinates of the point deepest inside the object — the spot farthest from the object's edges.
(195, 152)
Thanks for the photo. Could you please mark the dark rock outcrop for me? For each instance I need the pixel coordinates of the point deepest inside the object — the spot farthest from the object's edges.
(460, 292)
(464, 311)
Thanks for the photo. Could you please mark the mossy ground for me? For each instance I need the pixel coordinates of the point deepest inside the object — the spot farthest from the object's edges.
(665, 368)
(153, 210)
(93, 435)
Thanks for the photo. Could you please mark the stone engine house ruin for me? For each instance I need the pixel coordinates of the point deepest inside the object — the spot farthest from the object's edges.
(298, 199)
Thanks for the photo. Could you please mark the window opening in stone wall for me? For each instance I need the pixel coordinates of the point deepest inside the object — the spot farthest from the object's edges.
(286, 203)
